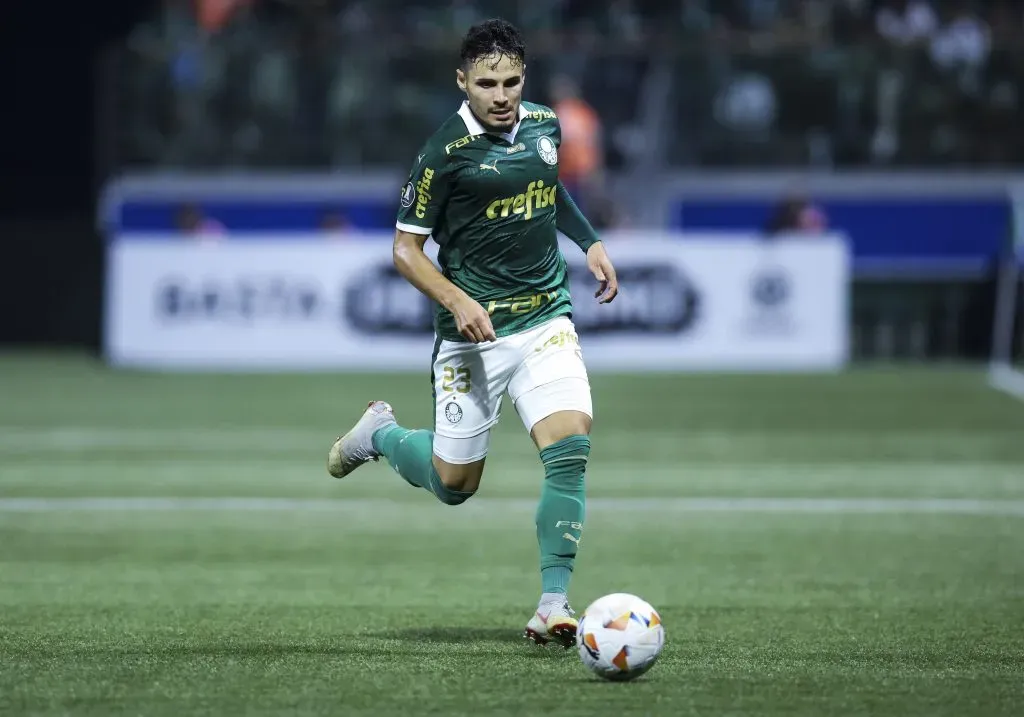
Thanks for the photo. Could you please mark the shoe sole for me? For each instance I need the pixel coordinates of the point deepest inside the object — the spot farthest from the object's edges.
(561, 633)
(330, 455)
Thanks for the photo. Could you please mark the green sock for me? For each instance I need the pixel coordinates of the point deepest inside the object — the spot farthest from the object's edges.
(411, 454)
(561, 510)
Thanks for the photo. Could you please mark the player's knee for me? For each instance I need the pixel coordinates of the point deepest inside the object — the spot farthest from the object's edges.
(459, 486)
(559, 426)
(452, 496)
(579, 424)
(460, 480)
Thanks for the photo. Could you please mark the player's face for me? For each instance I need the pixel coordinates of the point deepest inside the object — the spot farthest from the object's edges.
(494, 87)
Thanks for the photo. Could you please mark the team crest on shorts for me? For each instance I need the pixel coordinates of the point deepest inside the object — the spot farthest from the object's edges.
(453, 412)
(547, 150)
(408, 195)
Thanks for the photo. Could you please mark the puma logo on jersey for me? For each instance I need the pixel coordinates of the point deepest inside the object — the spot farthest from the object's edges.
(493, 166)
(573, 538)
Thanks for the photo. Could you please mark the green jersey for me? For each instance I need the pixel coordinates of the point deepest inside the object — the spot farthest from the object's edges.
(489, 200)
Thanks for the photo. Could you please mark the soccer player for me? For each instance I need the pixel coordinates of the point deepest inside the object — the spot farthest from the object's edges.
(485, 186)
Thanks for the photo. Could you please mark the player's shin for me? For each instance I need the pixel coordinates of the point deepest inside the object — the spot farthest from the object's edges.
(561, 511)
(411, 454)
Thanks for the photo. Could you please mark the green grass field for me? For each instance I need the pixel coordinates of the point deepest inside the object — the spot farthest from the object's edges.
(816, 545)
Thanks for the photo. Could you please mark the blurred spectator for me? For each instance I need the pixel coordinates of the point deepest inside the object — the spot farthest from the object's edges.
(580, 157)
(748, 104)
(1003, 112)
(272, 84)
(194, 224)
(214, 14)
(181, 126)
(796, 215)
(963, 41)
(906, 22)
(904, 25)
(336, 225)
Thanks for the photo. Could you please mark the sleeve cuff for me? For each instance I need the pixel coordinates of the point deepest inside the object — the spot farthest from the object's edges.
(413, 229)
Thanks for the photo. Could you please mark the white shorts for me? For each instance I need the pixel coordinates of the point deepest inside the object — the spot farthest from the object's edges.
(541, 369)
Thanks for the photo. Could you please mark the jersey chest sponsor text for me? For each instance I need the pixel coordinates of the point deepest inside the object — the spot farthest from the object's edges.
(537, 196)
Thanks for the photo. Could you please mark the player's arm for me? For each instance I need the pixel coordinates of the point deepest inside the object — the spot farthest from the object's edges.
(570, 221)
(412, 262)
(423, 201)
(568, 218)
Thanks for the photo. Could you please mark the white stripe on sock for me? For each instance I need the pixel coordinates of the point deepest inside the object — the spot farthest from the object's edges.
(568, 458)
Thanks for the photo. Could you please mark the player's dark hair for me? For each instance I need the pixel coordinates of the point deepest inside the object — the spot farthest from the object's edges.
(492, 38)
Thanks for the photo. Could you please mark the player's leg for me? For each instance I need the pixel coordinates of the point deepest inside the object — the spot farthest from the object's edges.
(551, 392)
(411, 453)
(449, 465)
(563, 440)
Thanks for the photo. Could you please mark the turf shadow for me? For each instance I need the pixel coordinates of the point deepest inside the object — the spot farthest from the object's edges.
(594, 680)
(343, 647)
(452, 635)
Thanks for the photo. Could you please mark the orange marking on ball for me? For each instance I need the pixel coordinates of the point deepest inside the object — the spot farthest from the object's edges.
(619, 623)
(620, 660)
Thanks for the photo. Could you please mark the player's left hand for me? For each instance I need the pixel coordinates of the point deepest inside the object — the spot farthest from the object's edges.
(601, 267)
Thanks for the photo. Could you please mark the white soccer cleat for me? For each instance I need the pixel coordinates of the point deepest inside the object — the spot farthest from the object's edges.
(356, 447)
(552, 622)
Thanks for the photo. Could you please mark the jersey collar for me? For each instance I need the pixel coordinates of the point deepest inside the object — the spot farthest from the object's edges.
(475, 128)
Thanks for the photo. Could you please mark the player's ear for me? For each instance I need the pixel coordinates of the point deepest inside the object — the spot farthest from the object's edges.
(460, 79)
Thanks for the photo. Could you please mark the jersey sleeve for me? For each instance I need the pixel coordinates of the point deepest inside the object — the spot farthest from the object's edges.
(556, 133)
(425, 193)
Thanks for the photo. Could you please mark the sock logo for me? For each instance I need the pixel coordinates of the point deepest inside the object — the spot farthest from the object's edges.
(575, 526)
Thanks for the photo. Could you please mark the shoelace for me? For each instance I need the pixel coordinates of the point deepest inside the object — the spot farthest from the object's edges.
(564, 608)
(364, 454)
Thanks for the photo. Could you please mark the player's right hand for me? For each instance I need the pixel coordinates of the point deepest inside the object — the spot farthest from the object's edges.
(473, 321)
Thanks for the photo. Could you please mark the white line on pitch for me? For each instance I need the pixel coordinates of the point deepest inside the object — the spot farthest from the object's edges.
(268, 440)
(819, 506)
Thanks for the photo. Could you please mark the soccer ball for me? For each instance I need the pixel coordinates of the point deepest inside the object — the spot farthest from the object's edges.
(620, 636)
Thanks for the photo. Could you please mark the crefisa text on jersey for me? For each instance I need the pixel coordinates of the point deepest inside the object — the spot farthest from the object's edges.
(423, 192)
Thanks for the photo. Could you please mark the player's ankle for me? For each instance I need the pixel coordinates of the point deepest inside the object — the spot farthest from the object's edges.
(378, 436)
(547, 598)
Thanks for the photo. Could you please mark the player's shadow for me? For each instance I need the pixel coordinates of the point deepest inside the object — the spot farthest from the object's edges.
(626, 684)
(429, 638)
(458, 635)
(327, 648)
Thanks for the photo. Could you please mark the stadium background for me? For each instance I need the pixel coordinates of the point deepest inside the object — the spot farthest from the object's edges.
(834, 542)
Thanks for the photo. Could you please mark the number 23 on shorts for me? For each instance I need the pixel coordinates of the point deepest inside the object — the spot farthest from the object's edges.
(458, 380)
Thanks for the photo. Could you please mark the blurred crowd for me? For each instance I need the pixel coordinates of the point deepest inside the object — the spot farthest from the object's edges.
(645, 84)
